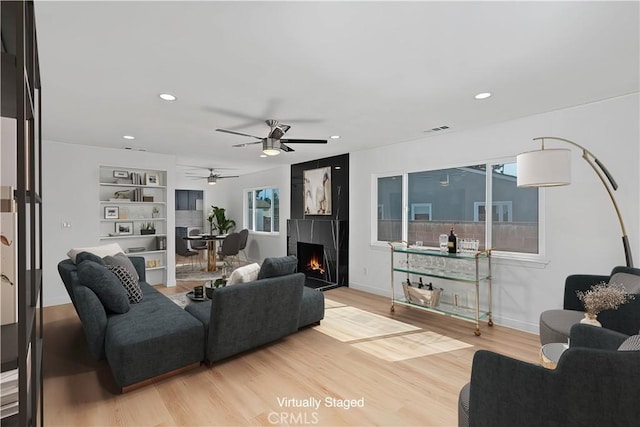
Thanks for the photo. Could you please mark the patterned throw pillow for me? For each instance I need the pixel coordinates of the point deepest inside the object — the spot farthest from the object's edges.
(128, 281)
(630, 344)
(122, 260)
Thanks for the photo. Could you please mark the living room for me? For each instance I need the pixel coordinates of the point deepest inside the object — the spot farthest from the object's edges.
(586, 91)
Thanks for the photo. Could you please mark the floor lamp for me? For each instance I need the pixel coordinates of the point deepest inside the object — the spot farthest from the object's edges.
(551, 168)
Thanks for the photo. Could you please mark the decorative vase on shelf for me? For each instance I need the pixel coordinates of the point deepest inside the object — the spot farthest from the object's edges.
(590, 319)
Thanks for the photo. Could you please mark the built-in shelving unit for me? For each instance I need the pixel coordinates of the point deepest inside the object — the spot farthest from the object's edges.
(131, 198)
(470, 268)
(22, 390)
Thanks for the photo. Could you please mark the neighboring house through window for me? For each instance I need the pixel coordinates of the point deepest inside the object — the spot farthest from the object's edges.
(461, 197)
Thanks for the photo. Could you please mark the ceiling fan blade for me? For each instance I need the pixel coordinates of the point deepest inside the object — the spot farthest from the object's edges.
(284, 128)
(285, 148)
(233, 132)
(230, 176)
(304, 141)
(247, 143)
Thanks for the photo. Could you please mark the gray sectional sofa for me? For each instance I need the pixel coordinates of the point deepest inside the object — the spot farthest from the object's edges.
(155, 337)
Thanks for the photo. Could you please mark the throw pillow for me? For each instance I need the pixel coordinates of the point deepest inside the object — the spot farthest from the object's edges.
(101, 251)
(275, 267)
(129, 282)
(631, 282)
(105, 284)
(630, 344)
(82, 256)
(123, 261)
(247, 273)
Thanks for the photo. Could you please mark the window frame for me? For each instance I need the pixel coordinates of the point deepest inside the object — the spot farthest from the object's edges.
(245, 210)
(540, 256)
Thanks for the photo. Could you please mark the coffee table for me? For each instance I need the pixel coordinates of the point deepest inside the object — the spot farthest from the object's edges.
(550, 354)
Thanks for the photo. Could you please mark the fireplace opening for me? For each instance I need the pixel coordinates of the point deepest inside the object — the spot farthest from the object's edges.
(311, 260)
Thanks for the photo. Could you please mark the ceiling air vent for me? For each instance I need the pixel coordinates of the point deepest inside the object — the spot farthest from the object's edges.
(436, 129)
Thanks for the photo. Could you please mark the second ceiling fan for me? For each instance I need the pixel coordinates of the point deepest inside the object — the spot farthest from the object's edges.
(273, 143)
(213, 177)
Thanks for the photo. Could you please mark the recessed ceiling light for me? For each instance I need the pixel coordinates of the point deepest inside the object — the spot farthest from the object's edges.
(483, 95)
(129, 137)
(263, 155)
(335, 136)
(337, 168)
(167, 97)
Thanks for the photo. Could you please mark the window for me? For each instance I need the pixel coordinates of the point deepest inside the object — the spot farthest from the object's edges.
(489, 208)
(390, 208)
(262, 212)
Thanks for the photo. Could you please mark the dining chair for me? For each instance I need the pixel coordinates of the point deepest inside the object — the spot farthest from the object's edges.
(183, 250)
(199, 245)
(230, 247)
(244, 236)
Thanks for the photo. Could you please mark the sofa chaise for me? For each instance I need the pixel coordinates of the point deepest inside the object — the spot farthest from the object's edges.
(154, 337)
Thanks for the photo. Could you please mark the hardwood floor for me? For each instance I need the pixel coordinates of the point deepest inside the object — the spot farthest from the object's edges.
(255, 388)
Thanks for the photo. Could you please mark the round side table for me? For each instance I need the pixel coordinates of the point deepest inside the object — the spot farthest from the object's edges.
(550, 354)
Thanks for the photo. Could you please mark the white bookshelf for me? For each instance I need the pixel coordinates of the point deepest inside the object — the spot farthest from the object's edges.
(128, 202)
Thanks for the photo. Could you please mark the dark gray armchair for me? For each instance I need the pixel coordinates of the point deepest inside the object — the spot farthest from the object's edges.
(594, 384)
(555, 324)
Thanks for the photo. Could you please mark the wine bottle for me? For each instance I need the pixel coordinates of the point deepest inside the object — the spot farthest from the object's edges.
(420, 284)
(452, 244)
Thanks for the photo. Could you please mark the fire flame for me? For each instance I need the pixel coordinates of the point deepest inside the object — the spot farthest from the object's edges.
(314, 265)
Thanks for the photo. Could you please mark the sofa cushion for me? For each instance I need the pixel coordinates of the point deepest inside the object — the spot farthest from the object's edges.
(154, 337)
(123, 261)
(247, 273)
(276, 267)
(83, 256)
(101, 251)
(130, 284)
(631, 282)
(311, 307)
(105, 284)
(630, 344)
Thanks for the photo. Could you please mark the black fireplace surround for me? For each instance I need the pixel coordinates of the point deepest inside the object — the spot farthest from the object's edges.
(321, 242)
(324, 239)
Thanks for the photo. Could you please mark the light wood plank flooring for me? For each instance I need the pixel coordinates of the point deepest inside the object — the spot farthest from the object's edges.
(254, 388)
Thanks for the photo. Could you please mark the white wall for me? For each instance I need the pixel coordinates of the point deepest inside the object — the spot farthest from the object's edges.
(229, 194)
(70, 193)
(581, 229)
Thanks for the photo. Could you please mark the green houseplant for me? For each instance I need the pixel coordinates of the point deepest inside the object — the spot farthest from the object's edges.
(148, 228)
(222, 223)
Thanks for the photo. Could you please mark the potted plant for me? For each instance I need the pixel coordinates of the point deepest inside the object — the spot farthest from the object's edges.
(148, 228)
(603, 296)
(155, 212)
(222, 223)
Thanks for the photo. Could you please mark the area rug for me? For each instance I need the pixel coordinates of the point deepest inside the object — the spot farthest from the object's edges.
(410, 346)
(350, 324)
(329, 303)
(180, 299)
(188, 273)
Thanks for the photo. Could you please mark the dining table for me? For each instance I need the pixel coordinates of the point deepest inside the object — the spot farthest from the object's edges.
(212, 247)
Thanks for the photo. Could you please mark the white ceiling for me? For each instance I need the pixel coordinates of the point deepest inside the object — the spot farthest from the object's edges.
(375, 73)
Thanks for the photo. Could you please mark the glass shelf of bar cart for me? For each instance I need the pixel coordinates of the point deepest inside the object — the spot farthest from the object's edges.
(471, 267)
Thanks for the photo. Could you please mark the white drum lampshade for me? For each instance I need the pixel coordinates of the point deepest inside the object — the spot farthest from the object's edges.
(544, 168)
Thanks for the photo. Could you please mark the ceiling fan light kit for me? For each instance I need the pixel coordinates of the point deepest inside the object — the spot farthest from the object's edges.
(271, 147)
(273, 143)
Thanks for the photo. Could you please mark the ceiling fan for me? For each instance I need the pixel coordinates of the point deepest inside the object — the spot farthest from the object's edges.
(214, 177)
(273, 143)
